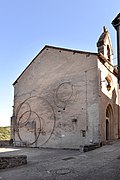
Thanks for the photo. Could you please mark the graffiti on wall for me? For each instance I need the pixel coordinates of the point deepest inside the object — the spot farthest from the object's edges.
(36, 116)
(63, 95)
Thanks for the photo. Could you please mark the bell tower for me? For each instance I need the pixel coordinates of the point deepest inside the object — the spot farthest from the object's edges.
(105, 46)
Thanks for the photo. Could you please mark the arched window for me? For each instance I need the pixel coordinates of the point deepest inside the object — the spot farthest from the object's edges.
(108, 52)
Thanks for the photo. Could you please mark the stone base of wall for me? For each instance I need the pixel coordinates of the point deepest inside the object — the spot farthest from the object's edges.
(12, 161)
(90, 147)
(4, 143)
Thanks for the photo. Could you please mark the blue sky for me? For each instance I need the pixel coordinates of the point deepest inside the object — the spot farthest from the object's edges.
(26, 26)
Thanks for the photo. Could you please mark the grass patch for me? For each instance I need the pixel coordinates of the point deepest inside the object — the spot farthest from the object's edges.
(5, 133)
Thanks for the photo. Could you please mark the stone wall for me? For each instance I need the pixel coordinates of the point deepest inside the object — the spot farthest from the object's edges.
(56, 100)
(4, 143)
(108, 100)
(12, 161)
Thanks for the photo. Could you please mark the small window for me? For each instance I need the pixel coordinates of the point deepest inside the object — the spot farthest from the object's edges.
(108, 52)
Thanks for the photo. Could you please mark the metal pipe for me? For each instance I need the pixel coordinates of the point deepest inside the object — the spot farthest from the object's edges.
(116, 25)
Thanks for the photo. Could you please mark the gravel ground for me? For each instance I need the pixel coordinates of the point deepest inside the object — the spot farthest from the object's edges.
(55, 164)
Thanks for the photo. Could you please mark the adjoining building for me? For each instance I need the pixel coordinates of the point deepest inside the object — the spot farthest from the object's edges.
(68, 98)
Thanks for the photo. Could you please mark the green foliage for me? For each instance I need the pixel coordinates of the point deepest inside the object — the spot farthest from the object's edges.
(5, 133)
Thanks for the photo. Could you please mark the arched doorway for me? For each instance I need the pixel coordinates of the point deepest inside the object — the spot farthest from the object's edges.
(109, 123)
(107, 129)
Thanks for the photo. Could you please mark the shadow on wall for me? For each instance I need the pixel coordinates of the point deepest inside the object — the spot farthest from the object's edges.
(33, 125)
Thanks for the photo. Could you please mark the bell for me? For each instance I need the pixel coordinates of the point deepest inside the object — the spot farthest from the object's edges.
(108, 87)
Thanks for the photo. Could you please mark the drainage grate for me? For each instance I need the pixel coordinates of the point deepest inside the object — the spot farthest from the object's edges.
(118, 157)
(63, 171)
(68, 158)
